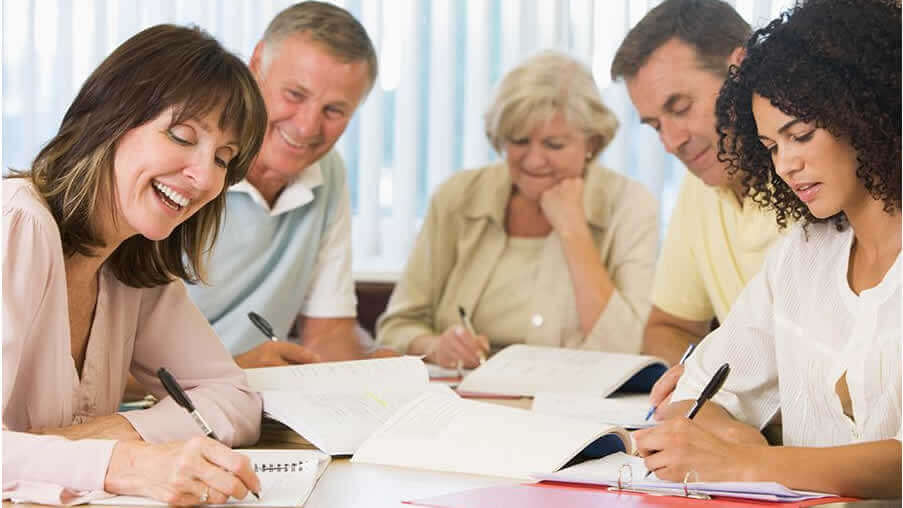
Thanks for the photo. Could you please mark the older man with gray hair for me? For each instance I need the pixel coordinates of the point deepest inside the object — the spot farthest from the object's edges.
(284, 250)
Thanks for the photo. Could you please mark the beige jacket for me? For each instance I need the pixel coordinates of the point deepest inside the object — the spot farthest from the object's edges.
(463, 236)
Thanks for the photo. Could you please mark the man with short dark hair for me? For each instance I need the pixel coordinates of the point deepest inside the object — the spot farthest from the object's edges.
(674, 62)
(284, 250)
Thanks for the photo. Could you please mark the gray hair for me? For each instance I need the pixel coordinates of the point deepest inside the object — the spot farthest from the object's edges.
(332, 26)
(543, 85)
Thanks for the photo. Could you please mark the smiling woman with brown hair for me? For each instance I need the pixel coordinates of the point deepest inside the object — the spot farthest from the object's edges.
(119, 205)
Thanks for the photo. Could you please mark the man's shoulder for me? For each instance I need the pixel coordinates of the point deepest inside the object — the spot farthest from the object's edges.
(332, 167)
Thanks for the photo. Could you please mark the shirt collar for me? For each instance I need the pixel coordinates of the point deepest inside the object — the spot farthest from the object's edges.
(490, 200)
(294, 195)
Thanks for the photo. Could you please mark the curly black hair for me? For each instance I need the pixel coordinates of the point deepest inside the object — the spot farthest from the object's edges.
(832, 62)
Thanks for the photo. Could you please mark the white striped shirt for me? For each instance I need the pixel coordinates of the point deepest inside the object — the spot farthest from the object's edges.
(794, 331)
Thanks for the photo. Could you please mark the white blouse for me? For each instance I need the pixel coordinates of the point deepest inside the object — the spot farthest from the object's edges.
(794, 331)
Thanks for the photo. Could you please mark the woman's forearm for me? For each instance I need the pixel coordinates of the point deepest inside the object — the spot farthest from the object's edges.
(865, 470)
(593, 286)
(114, 427)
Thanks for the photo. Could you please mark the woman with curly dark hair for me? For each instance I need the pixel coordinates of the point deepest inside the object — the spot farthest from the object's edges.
(813, 117)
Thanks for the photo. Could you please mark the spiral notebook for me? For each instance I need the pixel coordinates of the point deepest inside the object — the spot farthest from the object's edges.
(287, 478)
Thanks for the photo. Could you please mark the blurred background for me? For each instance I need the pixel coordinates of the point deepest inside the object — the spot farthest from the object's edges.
(439, 63)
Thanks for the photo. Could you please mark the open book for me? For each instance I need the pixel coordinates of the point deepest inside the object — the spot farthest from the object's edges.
(522, 370)
(337, 405)
(631, 471)
(443, 432)
(287, 478)
(628, 411)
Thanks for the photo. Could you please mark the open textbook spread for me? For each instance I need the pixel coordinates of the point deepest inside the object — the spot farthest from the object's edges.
(522, 370)
(384, 411)
(443, 432)
(287, 477)
(337, 405)
(631, 471)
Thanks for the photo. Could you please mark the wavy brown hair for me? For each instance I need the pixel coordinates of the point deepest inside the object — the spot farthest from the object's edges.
(161, 67)
(835, 63)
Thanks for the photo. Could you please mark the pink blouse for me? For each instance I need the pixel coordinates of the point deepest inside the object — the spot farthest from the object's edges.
(134, 330)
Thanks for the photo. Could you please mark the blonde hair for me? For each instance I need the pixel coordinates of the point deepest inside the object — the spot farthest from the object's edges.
(543, 85)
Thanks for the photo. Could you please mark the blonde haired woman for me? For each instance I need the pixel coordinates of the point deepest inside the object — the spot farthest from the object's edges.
(544, 248)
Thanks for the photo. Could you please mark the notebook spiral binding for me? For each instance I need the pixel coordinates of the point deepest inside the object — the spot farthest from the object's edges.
(625, 484)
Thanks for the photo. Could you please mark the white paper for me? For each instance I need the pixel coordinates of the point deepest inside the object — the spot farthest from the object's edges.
(331, 377)
(287, 477)
(337, 423)
(523, 370)
(605, 471)
(452, 434)
(627, 411)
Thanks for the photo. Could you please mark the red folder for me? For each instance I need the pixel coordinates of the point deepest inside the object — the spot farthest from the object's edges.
(555, 495)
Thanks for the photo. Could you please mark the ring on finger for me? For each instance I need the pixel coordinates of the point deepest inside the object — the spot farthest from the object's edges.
(203, 497)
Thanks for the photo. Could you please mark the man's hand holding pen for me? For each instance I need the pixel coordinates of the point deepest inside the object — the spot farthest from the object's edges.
(273, 352)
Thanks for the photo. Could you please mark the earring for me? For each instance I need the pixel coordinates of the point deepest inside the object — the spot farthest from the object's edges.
(589, 156)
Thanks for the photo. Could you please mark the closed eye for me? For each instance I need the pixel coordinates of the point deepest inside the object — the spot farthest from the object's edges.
(804, 137)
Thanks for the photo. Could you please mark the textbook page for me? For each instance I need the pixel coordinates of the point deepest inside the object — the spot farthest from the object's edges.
(606, 471)
(329, 377)
(628, 411)
(522, 370)
(338, 422)
(287, 477)
(446, 433)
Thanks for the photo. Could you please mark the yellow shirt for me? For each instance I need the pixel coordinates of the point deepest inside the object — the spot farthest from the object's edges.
(712, 249)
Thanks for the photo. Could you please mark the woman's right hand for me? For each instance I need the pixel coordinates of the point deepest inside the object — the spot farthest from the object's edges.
(456, 345)
(200, 470)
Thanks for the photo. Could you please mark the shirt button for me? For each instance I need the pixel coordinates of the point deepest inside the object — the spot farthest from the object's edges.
(536, 320)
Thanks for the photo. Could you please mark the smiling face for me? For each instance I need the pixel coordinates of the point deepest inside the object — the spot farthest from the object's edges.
(551, 152)
(164, 172)
(818, 166)
(676, 97)
(310, 97)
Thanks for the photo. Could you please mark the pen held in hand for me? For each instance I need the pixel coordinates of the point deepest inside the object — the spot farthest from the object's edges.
(469, 327)
(181, 398)
(708, 392)
(683, 359)
(263, 325)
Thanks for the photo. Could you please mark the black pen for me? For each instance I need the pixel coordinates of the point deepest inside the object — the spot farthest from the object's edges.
(708, 392)
(683, 360)
(710, 389)
(178, 394)
(263, 325)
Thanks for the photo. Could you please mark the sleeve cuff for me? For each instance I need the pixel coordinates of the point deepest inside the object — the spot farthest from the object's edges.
(165, 421)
